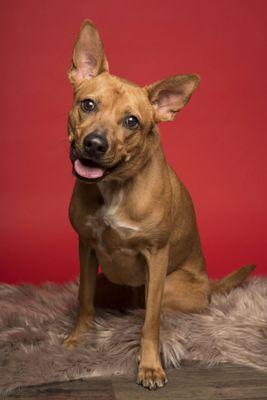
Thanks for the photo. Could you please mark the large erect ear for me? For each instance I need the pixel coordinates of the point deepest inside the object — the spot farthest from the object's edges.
(170, 95)
(88, 59)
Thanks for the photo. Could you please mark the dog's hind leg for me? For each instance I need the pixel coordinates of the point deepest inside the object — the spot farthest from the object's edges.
(186, 291)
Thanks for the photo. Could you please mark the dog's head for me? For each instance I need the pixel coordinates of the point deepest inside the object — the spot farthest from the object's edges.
(112, 122)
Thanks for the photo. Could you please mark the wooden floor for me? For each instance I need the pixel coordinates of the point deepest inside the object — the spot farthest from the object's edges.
(190, 382)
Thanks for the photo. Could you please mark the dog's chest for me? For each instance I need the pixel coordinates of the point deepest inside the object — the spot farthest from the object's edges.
(112, 235)
(111, 220)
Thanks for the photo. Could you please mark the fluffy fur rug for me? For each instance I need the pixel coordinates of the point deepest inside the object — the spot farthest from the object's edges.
(35, 320)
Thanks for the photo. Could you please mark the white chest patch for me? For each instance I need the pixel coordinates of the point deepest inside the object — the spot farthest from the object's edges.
(111, 213)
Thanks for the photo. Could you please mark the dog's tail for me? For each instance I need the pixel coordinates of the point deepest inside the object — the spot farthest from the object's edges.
(232, 280)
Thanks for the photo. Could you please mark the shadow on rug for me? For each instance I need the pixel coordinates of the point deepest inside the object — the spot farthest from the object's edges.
(35, 320)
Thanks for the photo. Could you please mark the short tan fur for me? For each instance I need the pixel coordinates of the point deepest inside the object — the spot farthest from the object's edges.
(136, 220)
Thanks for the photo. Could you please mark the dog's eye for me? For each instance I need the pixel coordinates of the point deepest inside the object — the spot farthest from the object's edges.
(88, 105)
(131, 122)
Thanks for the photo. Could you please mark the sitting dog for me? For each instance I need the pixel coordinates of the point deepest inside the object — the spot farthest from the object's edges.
(133, 215)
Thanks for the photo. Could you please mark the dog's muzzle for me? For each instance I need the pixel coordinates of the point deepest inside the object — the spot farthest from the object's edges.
(87, 165)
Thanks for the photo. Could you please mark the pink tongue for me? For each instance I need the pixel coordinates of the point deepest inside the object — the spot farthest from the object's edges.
(87, 172)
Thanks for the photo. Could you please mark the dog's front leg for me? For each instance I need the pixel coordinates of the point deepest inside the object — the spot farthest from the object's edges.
(150, 373)
(88, 273)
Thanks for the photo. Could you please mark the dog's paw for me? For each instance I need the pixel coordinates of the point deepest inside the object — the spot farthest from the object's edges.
(151, 378)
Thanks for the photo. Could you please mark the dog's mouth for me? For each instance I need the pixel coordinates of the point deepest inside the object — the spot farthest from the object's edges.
(91, 171)
(88, 169)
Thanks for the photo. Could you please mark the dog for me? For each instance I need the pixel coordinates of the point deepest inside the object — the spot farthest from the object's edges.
(133, 215)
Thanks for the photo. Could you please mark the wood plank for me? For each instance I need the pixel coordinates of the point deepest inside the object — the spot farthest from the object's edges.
(191, 381)
(92, 389)
(224, 382)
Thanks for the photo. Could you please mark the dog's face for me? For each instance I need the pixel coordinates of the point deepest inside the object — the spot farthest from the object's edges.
(108, 126)
(112, 122)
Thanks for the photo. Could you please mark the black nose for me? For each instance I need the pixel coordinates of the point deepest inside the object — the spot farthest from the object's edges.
(95, 144)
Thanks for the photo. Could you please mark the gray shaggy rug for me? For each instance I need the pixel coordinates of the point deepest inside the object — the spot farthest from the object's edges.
(35, 320)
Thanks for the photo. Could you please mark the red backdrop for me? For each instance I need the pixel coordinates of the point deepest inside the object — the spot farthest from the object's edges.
(217, 143)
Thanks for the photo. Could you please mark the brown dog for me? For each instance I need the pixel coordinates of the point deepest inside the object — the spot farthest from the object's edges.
(131, 212)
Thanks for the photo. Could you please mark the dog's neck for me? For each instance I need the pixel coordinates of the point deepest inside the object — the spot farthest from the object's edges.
(118, 190)
(111, 191)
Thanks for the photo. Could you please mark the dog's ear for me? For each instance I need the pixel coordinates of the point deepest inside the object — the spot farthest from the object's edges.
(170, 95)
(88, 59)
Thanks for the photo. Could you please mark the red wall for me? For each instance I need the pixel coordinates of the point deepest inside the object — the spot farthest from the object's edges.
(217, 143)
